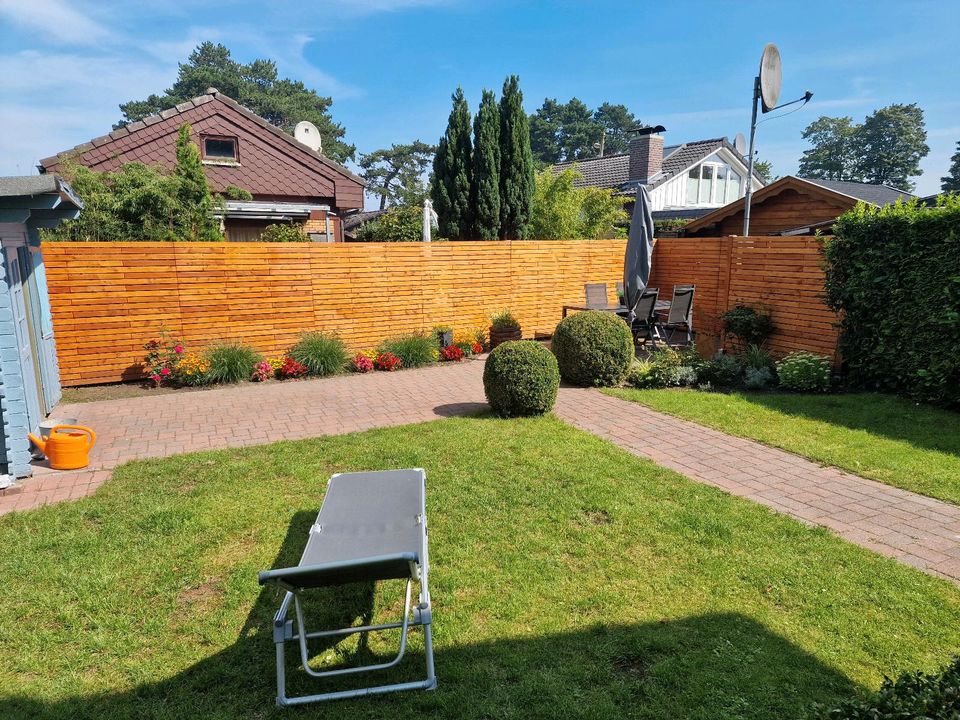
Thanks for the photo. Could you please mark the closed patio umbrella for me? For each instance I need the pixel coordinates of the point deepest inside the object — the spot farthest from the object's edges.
(639, 254)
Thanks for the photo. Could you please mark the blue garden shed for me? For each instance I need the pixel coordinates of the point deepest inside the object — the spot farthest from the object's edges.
(29, 378)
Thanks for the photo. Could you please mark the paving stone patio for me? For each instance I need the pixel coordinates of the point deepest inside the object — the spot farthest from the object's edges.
(914, 529)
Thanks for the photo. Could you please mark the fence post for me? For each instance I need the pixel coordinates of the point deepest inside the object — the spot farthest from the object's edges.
(723, 286)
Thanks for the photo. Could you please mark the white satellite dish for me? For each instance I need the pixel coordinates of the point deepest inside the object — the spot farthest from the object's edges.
(740, 143)
(307, 133)
(770, 77)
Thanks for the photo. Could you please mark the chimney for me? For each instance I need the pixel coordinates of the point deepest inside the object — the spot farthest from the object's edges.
(646, 154)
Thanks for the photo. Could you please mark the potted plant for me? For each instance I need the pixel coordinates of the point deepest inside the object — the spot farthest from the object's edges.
(444, 335)
(503, 327)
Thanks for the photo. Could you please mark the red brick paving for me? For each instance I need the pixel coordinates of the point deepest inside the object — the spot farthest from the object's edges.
(917, 530)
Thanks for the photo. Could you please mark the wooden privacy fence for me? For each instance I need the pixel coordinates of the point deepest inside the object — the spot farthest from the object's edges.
(109, 298)
(785, 274)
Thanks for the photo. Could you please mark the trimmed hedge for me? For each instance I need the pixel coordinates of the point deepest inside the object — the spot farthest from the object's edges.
(894, 275)
(915, 695)
(593, 348)
(520, 378)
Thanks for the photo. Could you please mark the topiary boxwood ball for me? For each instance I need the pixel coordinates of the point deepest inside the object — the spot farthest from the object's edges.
(593, 348)
(521, 378)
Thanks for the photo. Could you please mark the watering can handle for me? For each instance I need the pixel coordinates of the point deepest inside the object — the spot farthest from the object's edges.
(88, 431)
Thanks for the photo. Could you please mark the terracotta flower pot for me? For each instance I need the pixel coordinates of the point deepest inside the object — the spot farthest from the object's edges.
(502, 336)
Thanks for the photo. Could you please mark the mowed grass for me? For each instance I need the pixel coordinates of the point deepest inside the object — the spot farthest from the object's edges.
(570, 579)
(882, 437)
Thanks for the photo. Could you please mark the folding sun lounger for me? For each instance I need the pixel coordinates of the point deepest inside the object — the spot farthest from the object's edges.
(372, 526)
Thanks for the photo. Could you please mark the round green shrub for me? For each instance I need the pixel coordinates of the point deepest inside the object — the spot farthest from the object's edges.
(593, 348)
(322, 354)
(804, 372)
(521, 378)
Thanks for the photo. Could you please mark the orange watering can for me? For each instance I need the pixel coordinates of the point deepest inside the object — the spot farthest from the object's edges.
(67, 449)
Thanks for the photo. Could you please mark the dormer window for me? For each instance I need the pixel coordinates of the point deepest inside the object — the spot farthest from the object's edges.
(220, 149)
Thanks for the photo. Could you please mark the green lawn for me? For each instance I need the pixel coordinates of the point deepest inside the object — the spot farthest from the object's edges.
(886, 438)
(569, 579)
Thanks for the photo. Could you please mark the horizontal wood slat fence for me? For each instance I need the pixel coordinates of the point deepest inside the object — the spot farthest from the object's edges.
(109, 298)
(785, 274)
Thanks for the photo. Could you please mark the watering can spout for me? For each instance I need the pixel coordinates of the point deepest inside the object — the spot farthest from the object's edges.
(39, 442)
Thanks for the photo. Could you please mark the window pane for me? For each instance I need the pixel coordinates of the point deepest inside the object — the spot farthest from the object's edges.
(219, 148)
(706, 183)
(693, 181)
(721, 184)
(733, 187)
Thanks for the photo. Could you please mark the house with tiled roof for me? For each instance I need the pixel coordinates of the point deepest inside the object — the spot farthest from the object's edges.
(685, 180)
(795, 206)
(289, 180)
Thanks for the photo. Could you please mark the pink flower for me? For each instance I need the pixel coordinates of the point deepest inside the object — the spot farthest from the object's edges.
(178, 349)
(165, 371)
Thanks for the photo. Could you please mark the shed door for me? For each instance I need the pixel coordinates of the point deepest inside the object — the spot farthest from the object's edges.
(21, 325)
(39, 308)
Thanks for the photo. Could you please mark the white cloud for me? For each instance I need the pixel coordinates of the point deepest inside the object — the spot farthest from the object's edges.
(55, 20)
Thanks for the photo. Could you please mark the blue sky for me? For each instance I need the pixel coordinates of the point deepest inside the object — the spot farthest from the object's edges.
(391, 65)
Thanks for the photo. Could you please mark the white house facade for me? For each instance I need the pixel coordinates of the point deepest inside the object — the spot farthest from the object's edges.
(686, 180)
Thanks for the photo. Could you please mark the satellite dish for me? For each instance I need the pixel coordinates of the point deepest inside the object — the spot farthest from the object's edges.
(740, 143)
(770, 77)
(307, 133)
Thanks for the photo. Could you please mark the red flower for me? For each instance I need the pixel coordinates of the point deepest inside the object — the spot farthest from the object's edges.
(451, 352)
(178, 349)
(165, 371)
(388, 362)
(477, 348)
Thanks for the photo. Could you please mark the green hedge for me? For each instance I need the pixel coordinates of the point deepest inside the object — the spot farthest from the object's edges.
(520, 378)
(593, 348)
(894, 275)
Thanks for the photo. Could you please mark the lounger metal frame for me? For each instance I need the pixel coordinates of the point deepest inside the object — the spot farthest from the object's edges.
(419, 614)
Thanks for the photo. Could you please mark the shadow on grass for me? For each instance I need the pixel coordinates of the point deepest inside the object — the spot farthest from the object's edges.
(922, 426)
(722, 665)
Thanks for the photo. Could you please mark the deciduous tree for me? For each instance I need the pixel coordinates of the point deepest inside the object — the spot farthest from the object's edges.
(890, 145)
(832, 156)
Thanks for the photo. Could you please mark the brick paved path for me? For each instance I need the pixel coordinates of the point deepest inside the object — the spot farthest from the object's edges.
(914, 529)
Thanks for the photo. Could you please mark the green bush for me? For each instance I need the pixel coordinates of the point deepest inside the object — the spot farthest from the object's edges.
(894, 276)
(804, 372)
(230, 362)
(284, 232)
(593, 348)
(321, 353)
(521, 378)
(757, 378)
(643, 374)
(721, 371)
(414, 350)
(504, 320)
(757, 357)
(749, 325)
(398, 224)
(912, 696)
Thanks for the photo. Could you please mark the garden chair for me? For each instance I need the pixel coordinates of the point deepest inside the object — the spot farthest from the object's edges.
(371, 526)
(679, 317)
(644, 326)
(596, 295)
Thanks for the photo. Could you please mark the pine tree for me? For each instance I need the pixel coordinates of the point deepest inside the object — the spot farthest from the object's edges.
(485, 190)
(951, 181)
(516, 163)
(195, 220)
(452, 170)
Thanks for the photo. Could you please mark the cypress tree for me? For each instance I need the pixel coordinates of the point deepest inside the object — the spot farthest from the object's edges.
(516, 163)
(195, 220)
(452, 173)
(485, 191)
